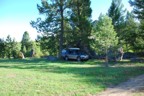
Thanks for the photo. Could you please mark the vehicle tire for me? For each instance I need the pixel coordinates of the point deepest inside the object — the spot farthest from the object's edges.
(66, 58)
(78, 59)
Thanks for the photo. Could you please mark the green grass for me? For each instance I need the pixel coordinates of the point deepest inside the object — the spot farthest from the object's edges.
(39, 77)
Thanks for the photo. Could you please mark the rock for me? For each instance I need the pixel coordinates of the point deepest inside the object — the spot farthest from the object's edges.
(141, 60)
(52, 58)
(129, 55)
(21, 55)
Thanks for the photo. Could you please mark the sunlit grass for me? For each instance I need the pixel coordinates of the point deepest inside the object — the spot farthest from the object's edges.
(39, 77)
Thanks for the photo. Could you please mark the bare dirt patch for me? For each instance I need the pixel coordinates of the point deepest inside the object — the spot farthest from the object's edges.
(132, 87)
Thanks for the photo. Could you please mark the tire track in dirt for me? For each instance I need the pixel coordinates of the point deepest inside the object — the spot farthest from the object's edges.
(132, 87)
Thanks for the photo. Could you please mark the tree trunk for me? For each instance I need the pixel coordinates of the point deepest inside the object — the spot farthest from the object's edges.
(106, 58)
(79, 20)
(61, 32)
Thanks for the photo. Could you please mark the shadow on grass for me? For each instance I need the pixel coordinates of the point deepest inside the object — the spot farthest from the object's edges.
(92, 74)
(31, 61)
(21, 61)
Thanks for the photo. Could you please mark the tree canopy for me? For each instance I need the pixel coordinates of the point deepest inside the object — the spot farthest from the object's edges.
(104, 34)
(116, 12)
(73, 13)
(138, 10)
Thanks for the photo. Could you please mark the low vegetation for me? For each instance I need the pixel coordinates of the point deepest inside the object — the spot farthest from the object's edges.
(40, 77)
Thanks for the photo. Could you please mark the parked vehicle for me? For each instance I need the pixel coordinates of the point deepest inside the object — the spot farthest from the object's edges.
(75, 54)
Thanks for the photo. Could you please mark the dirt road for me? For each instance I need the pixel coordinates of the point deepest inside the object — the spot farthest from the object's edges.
(132, 87)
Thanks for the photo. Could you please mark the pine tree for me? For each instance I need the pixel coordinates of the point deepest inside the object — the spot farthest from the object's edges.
(116, 12)
(9, 46)
(15, 49)
(130, 32)
(2, 48)
(80, 21)
(138, 8)
(55, 15)
(26, 43)
(139, 44)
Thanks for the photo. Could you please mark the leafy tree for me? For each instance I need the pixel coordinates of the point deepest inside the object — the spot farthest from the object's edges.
(49, 45)
(15, 48)
(138, 8)
(36, 49)
(104, 34)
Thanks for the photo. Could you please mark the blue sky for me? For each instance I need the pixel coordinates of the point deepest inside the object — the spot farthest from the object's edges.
(15, 15)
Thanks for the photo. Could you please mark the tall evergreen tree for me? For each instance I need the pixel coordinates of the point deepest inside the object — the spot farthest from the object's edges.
(15, 49)
(55, 11)
(26, 43)
(67, 19)
(2, 48)
(130, 32)
(116, 12)
(9, 46)
(139, 44)
(80, 21)
(138, 8)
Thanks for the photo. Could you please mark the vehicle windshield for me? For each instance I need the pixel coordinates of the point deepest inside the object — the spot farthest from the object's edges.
(82, 53)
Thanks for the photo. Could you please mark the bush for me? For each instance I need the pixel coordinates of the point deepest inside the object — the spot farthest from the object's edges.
(15, 54)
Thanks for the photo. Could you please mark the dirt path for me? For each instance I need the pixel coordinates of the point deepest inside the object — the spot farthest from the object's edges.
(133, 87)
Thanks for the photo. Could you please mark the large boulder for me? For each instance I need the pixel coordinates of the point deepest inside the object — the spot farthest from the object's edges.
(21, 55)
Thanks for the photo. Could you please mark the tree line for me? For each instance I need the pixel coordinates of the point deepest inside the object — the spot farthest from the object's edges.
(9, 48)
(68, 23)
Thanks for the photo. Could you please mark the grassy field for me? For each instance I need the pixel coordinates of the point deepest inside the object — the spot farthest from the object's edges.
(39, 77)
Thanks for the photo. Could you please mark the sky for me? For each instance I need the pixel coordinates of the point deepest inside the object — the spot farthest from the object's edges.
(15, 16)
